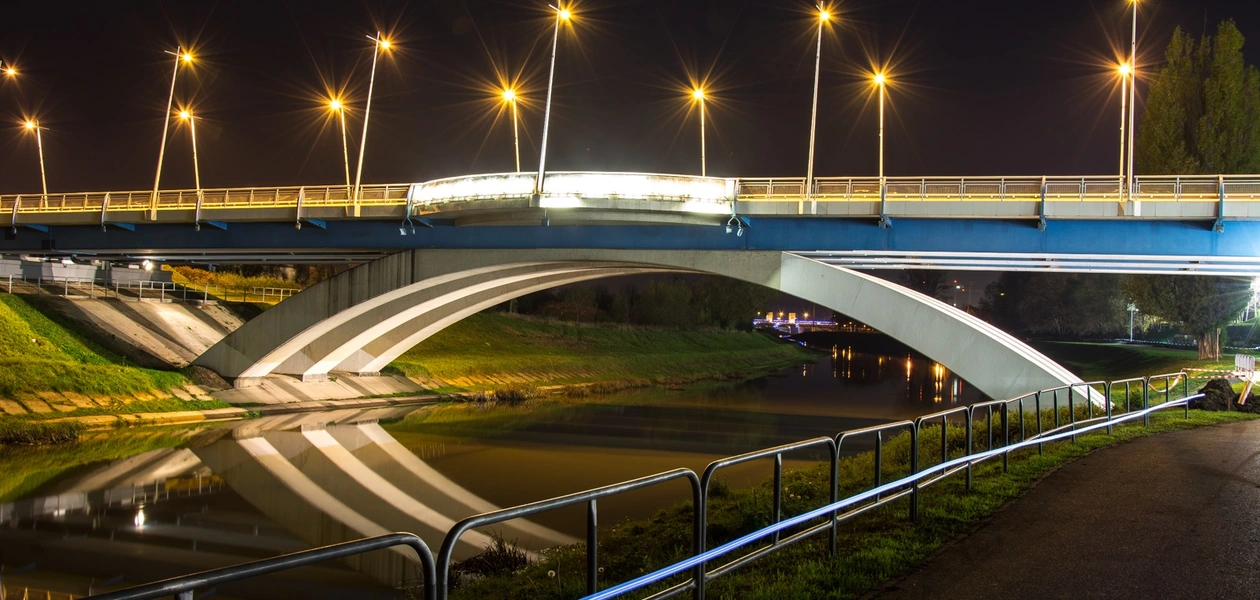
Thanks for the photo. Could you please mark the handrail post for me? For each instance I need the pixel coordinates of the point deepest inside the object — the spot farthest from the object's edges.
(778, 493)
(1108, 393)
(592, 548)
(914, 470)
(1219, 225)
(1041, 448)
(1146, 401)
(970, 423)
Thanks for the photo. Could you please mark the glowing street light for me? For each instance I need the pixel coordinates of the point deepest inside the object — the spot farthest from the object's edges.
(698, 95)
(338, 107)
(185, 115)
(823, 17)
(8, 71)
(380, 45)
(32, 125)
(509, 96)
(880, 81)
(1125, 71)
(181, 57)
(563, 15)
(1137, 206)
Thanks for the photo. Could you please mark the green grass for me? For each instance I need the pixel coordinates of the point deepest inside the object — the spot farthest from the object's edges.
(873, 547)
(487, 346)
(38, 354)
(1096, 362)
(24, 469)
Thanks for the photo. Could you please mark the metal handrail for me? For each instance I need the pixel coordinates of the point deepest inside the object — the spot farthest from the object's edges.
(183, 587)
(946, 467)
(1023, 188)
(588, 497)
(777, 504)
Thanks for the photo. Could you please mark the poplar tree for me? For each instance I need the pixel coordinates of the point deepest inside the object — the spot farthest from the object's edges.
(1202, 117)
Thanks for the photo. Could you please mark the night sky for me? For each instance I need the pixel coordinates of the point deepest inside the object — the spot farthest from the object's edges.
(980, 87)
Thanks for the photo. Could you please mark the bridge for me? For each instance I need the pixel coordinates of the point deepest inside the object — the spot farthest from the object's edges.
(439, 251)
(1168, 224)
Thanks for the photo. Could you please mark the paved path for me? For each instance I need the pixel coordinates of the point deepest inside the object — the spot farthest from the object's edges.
(1175, 515)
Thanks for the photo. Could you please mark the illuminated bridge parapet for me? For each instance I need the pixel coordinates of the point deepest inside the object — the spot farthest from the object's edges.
(631, 197)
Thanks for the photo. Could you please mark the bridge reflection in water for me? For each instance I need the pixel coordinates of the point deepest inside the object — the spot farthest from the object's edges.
(268, 486)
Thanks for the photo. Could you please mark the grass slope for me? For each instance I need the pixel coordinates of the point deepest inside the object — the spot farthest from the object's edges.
(1096, 362)
(38, 354)
(488, 347)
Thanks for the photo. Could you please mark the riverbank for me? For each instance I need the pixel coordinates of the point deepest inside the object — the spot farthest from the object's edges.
(55, 368)
(489, 350)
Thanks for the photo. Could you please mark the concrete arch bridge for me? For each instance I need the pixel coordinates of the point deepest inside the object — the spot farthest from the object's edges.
(362, 319)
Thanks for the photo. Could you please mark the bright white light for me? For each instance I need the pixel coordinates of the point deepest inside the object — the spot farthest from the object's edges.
(139, 520)
(560, 202)
(148, 265)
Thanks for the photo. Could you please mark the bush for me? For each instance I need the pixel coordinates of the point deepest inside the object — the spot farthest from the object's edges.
(517, 394)
(36, 433)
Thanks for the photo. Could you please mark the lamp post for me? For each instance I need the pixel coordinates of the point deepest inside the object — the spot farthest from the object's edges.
(1132, 309)
(562, 15)
(698, 95)
(880, 80)
(823, 17)
(509, 96)
(181, 57)
(1124, 71)
(380, 45)
(1137, 205)
(32, 125)
(185, 115)
(337, 106)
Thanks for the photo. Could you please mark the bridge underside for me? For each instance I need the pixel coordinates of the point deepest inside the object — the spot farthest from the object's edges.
(1081, 245)
(364, 318)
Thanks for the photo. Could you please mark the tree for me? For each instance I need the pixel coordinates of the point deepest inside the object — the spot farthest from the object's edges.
(924, 281)
(1203, 109)
(1202, 116)
(1056, 304)
(1202, 304)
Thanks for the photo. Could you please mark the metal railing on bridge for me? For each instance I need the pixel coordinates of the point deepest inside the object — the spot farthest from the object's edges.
(140, 290)
(1095, 188)
(967, 437)
(673, 188)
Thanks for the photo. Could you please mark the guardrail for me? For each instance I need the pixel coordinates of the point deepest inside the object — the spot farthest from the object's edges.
(1090, 188)
(185, 586)
(437, 574)
(141, 291)
(878, 494)
(644, 186)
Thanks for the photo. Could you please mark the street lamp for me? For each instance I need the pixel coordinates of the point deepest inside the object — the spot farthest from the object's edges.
(698, 95)
(185, 115)
(1137, 206)
(181, 57)
(336, 105)
(562, 15)
(509, 96)
(823, 17)
(879, 81)
(1125, 70)
(1132, 309)
(32, 125)
(380, 45)
(9, 71)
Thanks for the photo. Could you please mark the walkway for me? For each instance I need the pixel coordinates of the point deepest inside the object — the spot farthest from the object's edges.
(1168, 516)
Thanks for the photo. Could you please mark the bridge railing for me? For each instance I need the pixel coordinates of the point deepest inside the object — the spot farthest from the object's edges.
(1091, 188)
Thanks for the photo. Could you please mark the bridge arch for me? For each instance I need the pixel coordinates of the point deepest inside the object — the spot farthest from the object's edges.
(364, 318)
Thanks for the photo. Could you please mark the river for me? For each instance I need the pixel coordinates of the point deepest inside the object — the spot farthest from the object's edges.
(252, 489)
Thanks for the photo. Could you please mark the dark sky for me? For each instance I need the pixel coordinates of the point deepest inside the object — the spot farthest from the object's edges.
(981, 87)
